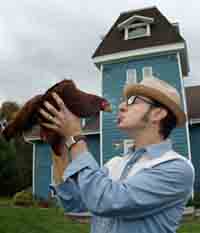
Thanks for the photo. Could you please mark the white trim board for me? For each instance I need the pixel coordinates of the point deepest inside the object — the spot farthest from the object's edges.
(185, 106)
(32, 139)
(194, 121)
(101, 121)
(33, 172)
(138, 52)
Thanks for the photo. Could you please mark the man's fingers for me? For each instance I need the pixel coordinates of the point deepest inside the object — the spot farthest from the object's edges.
(58, 100)
(51, 108)
(45, 114)
(50, 126)
(49, 117)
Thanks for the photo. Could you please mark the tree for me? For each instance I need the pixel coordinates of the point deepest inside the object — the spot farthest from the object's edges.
(8, 110)
(15, 157)
(7, 167)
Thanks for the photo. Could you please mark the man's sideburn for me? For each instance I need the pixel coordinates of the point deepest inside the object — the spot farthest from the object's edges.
(145, 118)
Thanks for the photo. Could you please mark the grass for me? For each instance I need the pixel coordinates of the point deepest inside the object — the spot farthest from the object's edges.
(52, 220)
(190, 226)
(35, 220)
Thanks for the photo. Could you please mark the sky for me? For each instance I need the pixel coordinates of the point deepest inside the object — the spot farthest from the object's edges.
(43, 42)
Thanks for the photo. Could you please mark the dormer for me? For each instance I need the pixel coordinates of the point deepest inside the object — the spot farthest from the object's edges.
(141, 32)
(136, 26)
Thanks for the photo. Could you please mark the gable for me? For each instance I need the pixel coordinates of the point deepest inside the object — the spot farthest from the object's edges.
(163, 34)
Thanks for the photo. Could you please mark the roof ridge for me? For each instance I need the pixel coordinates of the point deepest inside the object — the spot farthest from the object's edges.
(140, 9)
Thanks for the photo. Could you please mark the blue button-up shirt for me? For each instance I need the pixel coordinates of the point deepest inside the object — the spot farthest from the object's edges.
(152, 201)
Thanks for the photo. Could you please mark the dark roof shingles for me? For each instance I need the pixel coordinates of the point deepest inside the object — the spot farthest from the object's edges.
(162, 32)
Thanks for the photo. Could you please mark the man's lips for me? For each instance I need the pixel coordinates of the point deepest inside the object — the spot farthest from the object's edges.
(119, 119)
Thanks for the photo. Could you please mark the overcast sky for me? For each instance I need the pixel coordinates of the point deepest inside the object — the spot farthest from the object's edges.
(42, 42)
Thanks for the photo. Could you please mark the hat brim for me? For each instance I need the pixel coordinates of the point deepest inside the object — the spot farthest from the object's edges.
(152, 93)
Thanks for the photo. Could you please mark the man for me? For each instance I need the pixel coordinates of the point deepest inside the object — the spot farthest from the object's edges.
(146, 190)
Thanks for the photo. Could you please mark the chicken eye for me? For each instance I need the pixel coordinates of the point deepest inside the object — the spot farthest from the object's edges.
(104, 104)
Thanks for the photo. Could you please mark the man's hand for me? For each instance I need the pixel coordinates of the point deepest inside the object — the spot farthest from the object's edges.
(64, 122)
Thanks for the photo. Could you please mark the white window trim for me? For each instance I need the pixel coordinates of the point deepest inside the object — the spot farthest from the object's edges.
(137, 17)
(148, 31)
(128, 143)
(83, 122)
(143, 73)
(127, 76)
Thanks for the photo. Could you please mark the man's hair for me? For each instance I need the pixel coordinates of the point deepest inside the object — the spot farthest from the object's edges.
(168, 123)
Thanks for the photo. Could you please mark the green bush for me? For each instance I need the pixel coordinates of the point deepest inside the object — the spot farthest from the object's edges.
(190, 202)
(196, 201)
(23, 198)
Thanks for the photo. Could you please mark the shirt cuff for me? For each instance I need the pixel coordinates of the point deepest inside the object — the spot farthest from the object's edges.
(83, 160)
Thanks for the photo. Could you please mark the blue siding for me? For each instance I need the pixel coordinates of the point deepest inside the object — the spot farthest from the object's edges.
(195, 139)
(164, 67)
(43, 164)
(94, 146)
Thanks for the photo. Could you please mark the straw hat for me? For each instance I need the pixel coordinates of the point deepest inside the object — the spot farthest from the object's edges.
(160, 91)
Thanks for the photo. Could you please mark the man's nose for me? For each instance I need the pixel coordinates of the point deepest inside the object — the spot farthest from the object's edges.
(123, 107)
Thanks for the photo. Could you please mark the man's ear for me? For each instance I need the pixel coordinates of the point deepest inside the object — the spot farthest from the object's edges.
(158, 114)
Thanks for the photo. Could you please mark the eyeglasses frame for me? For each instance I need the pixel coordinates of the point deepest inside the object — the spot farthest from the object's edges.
(156, 104)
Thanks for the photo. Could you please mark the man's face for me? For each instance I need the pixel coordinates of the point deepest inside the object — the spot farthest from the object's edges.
(134, 114)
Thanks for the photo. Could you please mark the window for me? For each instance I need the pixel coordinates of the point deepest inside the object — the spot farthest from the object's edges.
(83, 122)
(147, 72)
(128, 143)
(131, 76)
(137, 30)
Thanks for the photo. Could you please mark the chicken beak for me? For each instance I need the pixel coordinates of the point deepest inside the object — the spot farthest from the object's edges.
(108, 108)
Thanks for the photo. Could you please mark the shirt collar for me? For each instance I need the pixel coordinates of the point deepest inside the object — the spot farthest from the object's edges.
(154, 150)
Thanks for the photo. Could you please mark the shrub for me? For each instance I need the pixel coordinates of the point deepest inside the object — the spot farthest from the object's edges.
(196, 200)
(190, 202)
(23, 198)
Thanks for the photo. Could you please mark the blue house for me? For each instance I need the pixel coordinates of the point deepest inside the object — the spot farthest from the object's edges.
(139, 45)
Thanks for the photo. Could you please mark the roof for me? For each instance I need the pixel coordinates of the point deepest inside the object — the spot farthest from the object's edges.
(91, 127)
(162, 33)
(193, 97)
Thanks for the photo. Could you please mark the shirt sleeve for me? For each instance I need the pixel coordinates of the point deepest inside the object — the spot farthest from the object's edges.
(68, 194)
(146, 193)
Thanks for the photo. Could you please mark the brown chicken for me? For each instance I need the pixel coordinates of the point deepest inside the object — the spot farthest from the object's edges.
(80, 103)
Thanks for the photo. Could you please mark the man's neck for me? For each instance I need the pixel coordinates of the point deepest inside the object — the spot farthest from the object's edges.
(145, 139)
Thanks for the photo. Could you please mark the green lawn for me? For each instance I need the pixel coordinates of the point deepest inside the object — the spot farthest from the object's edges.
(190, 226)
(35, 220)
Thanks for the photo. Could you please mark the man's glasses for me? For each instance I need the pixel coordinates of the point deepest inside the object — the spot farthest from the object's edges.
(132, 100)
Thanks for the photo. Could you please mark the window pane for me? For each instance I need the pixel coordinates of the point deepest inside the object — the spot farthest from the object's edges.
(147, 72)
(138, 31)
(131, 76)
